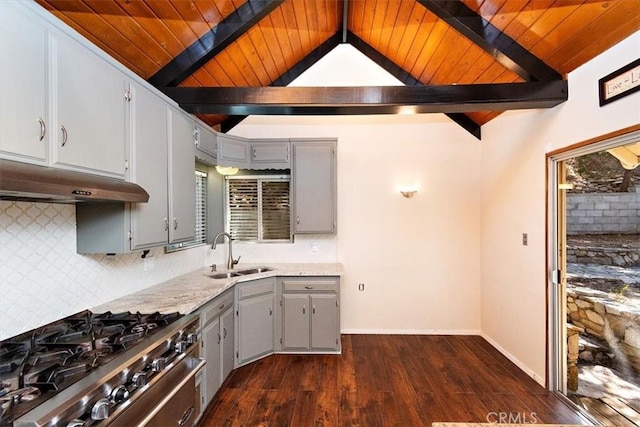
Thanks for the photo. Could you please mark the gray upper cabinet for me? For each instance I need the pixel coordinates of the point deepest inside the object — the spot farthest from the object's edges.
(233, 151)
(270, 154)
(314, 186)
(53, 112)
(149, 168)
(89, 131)
(182, 184)
(255, 313)
(24, 119)
(206, 144)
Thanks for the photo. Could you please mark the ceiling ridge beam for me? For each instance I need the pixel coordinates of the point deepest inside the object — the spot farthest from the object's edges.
(213, 42)
(406, 78)
(293, 73)
(369, 99)
(493, 41)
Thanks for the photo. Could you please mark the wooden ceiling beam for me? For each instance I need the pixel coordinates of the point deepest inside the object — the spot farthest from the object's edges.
(213, 42)
(368, 99)
(493, 41)
(407, 79)
(290, 75)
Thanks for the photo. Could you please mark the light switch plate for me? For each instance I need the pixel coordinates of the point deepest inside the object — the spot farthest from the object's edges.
(525, 239)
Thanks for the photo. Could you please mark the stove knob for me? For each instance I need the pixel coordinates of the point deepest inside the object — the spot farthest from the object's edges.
(100, 410)
(139, 379)
(119, 394)
(158, 364)
(75, 423)
(192, 338)
(180, 347)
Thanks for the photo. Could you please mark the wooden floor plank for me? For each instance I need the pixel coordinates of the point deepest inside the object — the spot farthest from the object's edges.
(384, 380)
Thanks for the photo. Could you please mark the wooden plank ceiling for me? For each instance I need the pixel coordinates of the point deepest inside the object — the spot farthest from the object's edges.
(259, 43)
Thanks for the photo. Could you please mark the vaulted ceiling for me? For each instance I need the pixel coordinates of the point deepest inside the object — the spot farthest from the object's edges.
(471, 59)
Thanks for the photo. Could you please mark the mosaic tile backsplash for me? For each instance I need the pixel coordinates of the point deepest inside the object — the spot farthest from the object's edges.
(42, 278)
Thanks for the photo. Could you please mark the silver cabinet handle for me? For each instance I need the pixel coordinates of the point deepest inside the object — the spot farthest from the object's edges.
(218, 337)
(314, 309)
(166, 224)
(270, 311)
(186, 416)
(224, 332)
(175, 224)
(255, 153)
(43, 128)
(304, 309)
(221, 306)
(298, 219)
(65, 135)
(308, 287)
(288, 151)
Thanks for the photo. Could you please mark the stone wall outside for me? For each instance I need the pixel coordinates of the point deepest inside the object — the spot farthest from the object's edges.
(603, 213)
(621, 257)
(604, 318)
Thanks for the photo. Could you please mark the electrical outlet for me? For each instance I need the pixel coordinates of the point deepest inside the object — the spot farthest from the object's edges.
(313, 248)
(525, 239)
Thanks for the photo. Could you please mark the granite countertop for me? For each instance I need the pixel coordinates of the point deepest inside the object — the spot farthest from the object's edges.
(191, 291)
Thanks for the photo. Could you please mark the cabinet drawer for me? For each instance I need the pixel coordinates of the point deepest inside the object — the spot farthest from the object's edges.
(216, 307)
(259, 287)
(293, 285)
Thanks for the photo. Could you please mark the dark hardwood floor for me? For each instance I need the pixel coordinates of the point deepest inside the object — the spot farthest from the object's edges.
(386, 380)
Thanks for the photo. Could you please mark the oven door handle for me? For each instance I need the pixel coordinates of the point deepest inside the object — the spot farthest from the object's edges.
(192, 372)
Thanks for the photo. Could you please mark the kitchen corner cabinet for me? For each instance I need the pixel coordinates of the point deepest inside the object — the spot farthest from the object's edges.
(314, 186)
(310, 311)
(48, 96)
(206, 144)
(255, 324)
(233, 151)
(216, 344)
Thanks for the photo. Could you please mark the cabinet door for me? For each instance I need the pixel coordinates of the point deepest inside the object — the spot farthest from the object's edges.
(226, 320)
(211, 346)
(295, 322)
(314, 187)
(206, 141)
(149, 168)
(324, 322)
(233, 151)
(255, 327)
(270, 154)
(90, 110)
(182, 188)
(23, 78)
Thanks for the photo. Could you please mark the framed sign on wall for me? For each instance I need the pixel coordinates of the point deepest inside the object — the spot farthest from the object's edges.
(620, 83)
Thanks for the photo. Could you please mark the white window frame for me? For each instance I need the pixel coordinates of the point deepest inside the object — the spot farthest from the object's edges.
(260, 179)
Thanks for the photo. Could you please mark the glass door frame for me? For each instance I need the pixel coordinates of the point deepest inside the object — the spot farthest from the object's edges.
(556, 263)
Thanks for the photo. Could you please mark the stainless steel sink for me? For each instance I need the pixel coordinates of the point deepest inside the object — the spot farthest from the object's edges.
(236, 273)
(226, 275)
(254, 270)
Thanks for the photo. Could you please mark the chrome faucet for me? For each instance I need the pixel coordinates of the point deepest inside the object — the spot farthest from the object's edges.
(230, 261)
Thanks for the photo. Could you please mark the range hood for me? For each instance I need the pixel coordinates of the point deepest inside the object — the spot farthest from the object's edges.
(26, 182)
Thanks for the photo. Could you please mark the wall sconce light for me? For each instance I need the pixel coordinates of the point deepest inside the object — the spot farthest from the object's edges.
(408, 192)
(226, 170)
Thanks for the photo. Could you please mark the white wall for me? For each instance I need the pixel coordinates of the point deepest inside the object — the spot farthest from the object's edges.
(513, 191)
(418, 258)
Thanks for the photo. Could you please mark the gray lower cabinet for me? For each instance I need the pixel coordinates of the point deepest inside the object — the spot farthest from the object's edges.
(314, 186)
(216, 344)
(310, 314)
(255, 313)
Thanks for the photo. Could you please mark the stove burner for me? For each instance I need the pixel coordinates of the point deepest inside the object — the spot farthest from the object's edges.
(37, 364)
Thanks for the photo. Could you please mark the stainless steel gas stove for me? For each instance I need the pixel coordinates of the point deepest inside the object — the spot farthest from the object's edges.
(102, 369)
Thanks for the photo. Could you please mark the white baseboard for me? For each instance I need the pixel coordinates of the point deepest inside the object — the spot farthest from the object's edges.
(412, 331)
(511, 357)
